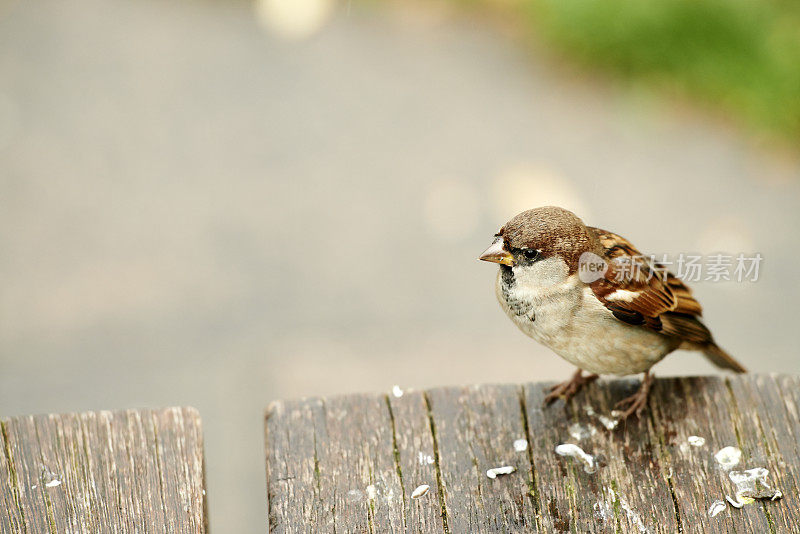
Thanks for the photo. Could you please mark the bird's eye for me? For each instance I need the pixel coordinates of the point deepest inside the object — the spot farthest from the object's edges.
(530, 253)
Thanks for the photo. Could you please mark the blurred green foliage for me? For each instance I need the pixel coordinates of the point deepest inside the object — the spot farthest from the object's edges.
(742, 56)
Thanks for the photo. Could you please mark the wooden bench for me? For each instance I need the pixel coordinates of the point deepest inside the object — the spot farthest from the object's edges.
(420, 461)
(128, 471)
(360, 463)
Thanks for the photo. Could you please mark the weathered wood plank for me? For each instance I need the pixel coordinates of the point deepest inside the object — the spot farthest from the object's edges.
(416, 458)
(645, 476)
(345, 474)
(476, 428)
(701, 407)
(766, 419)
(293, 431)
(624, 488)
(103, 472)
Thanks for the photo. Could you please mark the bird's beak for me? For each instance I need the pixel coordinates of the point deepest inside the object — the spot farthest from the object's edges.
(497, 254)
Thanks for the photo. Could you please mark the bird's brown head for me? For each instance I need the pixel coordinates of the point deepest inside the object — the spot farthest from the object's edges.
(541, 233)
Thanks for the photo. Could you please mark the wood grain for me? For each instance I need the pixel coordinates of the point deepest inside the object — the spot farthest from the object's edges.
(647, 476)
(475, 431)
(627, 490)
(127, 471)
(346, 477)
(415, 455)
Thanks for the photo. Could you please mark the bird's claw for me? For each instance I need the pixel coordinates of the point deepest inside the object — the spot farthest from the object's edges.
(636, 403)
(566, 390)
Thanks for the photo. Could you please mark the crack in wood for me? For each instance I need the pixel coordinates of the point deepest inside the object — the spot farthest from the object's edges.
(533, 490)
(396, 454)
(437, 463)
(664, 458)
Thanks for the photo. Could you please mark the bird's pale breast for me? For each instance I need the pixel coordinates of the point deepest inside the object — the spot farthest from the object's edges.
(562, 313)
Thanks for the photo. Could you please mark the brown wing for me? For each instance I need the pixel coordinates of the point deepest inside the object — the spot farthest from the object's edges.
(639, 291)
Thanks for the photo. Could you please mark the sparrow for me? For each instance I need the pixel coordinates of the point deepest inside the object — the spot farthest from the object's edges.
(591, 297)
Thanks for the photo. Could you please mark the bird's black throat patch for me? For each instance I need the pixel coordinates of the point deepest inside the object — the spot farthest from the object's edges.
(508, 275)
(518, 307)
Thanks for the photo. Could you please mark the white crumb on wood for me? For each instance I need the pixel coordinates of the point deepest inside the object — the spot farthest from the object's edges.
(696, 441)
(716, 507)
(505, 470)
(570, 449)
(419, 491)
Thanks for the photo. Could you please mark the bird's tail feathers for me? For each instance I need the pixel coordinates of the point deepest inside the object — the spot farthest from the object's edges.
(722, 359)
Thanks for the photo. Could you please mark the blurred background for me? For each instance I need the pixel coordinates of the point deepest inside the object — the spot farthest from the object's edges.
(219, 204)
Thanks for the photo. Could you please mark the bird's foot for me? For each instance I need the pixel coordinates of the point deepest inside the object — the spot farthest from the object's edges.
(568, 389)
(636, 403)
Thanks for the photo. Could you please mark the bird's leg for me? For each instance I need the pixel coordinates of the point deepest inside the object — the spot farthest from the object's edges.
(568, 389)
(637, 402)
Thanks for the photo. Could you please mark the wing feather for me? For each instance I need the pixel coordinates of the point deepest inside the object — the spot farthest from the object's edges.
(640, 291)
(652, 297)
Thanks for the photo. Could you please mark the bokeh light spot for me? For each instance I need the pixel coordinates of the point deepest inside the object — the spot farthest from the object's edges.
(522, 187)
(294, 19)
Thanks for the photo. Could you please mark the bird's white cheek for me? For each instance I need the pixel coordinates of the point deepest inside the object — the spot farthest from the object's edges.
(542, 274)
